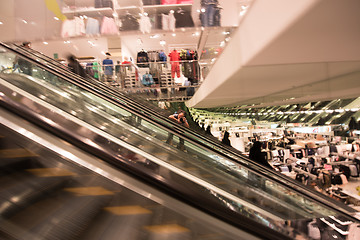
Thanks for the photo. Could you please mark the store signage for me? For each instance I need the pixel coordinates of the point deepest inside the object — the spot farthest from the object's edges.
(322, 129)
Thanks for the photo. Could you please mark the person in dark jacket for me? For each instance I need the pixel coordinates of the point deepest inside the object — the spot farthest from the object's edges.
(225, 140)
(75, 66)
(256, 155)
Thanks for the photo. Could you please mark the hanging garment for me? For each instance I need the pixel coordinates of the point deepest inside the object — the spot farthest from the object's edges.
(175, 65)
(142, 59)
(353, 171)
(172, 22)
(108, 67)
(129, 22)
(92, 26)
(165, 22)
(175, 69)
(68, 28)
(151, 2)
(79, 26)
(183, 19)
(162, 56)
(108, 26)
(147, 80)
(145, 24)
(167, 2)
(185, 1)
(96, 70)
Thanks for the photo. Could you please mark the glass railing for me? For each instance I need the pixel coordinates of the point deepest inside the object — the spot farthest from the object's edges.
(52, 191)
(143, 143)
(198, 141)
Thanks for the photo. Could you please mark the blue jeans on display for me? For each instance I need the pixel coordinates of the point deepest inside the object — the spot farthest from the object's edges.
(207, 18)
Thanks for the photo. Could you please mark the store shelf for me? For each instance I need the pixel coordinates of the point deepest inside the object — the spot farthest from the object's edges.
(134, 10)
(90, 12)
(150, 9)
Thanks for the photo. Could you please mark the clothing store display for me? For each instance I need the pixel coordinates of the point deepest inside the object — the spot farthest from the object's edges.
(162, 56)
(147, 80)
(104, 3)
(183, 19)
(167, 2)
(211, 16)
(92, 26)
(108, 67)
(185, 1)
(168, 22)
(72, 28)
(145, 24)
(108, 26)
(151, 2)
(129, 22)
(175, 64)
(142, 59)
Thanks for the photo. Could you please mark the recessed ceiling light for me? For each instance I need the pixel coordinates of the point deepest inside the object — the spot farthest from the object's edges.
(46, 43)
(56, 18)
(24, 21)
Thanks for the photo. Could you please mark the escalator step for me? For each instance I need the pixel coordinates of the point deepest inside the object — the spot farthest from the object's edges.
(127, 210)
(167, 229)
(16, 153)
(89, 191)
(50, 172)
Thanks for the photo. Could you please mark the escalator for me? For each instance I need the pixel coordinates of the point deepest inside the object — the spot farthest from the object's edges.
(241, 195)
(50, 190)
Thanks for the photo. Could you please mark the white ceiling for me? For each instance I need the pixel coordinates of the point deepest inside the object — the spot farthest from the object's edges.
(285, 51)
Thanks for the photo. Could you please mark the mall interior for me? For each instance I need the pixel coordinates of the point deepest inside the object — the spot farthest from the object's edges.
(93, 144)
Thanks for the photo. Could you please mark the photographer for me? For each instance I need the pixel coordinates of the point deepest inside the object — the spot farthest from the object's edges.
(179, 118)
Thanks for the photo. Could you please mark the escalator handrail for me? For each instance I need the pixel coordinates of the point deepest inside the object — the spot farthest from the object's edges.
(180, 190)
(177, 129)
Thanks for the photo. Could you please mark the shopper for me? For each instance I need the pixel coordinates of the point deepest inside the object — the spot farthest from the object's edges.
(24, 65)
(225, 140)
(108, 66)
(257, 155)
(75, 66)
(180, 118)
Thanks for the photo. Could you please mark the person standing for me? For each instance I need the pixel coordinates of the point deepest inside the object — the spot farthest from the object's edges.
(181, 119)
(108, 66)
(24, 65)
(257, 155)
(75, 66)
(225, 140)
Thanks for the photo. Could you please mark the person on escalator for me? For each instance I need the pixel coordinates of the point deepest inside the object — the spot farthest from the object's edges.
(258, 156)
(24, 65)
(75, 66)
(225, 140)
(180, 118)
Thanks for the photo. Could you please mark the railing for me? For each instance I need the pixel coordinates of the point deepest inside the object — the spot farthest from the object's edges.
(167, 81)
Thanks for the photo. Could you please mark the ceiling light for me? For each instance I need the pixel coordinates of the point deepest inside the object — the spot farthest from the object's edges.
(24, 21)
(162, 42)
(172, 11)
(203, 10)
(174, 34)
(56, 18)
(1, 23)
(46, 43)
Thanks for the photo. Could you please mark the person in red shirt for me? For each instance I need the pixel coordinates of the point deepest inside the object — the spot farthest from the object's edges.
(175, 64)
